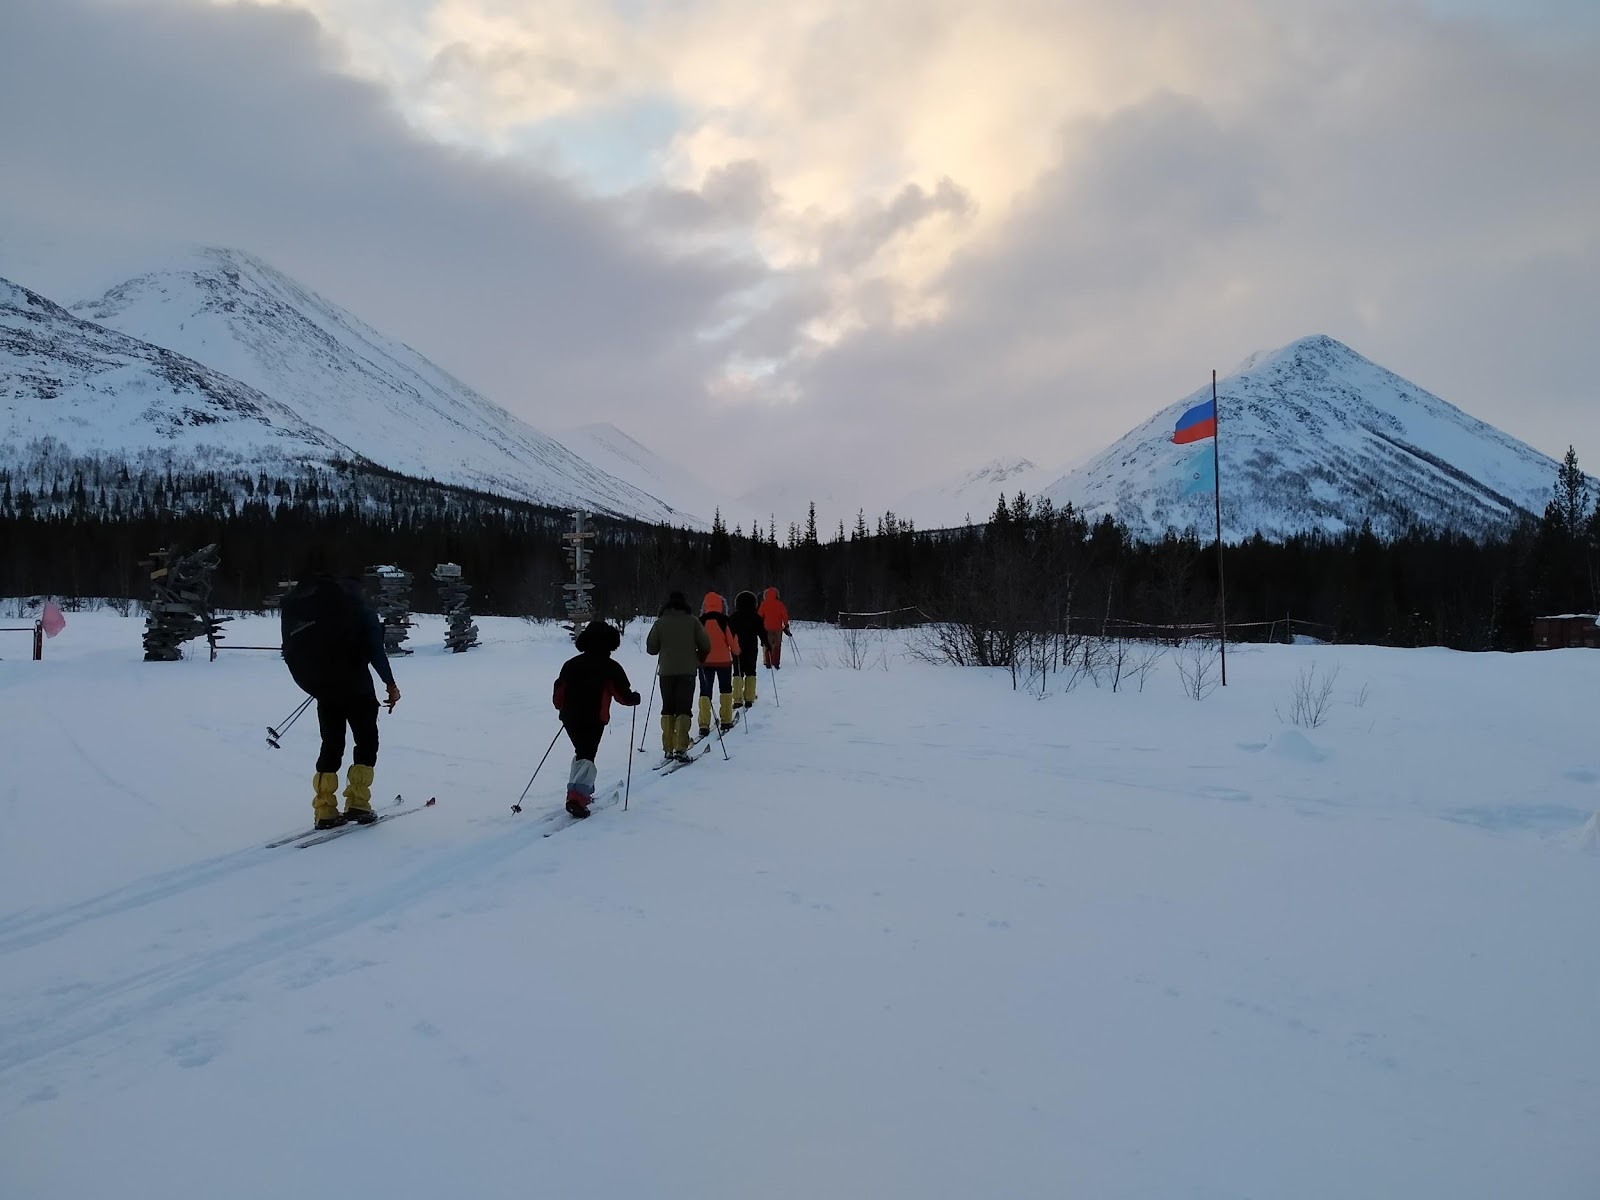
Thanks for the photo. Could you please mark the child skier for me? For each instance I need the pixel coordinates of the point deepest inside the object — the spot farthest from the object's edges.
(751, 634)
(681, 644)
(718, 664)
(775, 619)
(588, 683)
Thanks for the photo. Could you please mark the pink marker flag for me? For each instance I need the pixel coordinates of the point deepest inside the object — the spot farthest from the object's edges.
(54, 620)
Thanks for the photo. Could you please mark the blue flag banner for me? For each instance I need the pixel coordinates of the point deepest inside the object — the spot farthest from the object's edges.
(1198, 473)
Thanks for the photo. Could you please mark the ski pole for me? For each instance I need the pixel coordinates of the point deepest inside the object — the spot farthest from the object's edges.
(628, 786)
(794, 647)
(647, 704)
(772, 677)
(720, 742)
(517, 807)
(274, 734)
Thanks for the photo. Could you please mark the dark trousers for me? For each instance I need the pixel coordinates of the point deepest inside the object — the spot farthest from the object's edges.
(585, 738)
(360, 713)
(746, 661)
(723, 676)
(677, 695)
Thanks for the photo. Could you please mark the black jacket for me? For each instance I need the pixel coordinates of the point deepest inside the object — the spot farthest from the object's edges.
(747, 626)
(587, 685)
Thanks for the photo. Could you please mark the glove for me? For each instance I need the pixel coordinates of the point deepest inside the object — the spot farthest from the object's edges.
(634, 698)
(394, 696)
(787, 632)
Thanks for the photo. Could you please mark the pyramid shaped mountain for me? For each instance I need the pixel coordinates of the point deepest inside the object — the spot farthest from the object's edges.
(356, 386)
(1314, 437)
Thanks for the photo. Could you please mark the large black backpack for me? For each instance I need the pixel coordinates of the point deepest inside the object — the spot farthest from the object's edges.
(322, 642)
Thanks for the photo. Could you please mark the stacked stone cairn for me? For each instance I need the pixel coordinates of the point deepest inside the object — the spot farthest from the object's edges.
(461, 633)
(391, 596)
(180, 609)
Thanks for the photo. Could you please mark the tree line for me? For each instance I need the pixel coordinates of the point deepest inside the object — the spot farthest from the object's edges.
(1030, 569)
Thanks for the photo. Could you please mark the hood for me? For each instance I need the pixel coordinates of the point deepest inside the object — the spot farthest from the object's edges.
(772, 593)
(597, 638)
(745, 602)
(712, 603)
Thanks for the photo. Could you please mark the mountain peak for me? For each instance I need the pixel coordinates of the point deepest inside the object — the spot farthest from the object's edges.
(1316, 348)
(1314, 436)
(237, 314)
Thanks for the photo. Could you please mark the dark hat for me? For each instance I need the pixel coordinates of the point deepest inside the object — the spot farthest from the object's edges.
(597, 637)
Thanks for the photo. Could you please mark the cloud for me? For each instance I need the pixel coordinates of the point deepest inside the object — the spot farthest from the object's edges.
(169, 122)
(894, 238)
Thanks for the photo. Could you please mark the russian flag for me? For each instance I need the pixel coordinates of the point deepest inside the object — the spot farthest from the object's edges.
(1199, 423)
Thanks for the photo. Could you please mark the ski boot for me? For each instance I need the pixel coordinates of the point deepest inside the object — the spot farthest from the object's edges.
(324, 802)
(358, 795)
(577, 804)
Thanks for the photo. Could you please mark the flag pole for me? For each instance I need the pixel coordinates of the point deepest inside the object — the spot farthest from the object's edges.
(1216, 481)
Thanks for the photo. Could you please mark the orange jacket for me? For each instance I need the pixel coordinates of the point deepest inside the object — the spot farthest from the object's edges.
(773, 613)
(724, 645)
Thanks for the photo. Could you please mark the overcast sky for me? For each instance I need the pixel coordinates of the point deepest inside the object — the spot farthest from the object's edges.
(851, 246)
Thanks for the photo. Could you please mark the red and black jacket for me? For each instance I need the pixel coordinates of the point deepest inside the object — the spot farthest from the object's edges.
(587, 685)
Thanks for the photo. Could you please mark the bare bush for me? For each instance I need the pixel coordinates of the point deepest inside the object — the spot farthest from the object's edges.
(1133, 661)
(1197, 661)
(860, 649)
(1311, 698)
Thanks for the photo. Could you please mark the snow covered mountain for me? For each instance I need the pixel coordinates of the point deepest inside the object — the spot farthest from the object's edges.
(358, 387)
(92, 390)
(619, 455)
(971, 498)
(1316, 437)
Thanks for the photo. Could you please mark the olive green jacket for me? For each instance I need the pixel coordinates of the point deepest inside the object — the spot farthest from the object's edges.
(679, 641)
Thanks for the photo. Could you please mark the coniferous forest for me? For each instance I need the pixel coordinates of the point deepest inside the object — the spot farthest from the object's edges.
(79, 528)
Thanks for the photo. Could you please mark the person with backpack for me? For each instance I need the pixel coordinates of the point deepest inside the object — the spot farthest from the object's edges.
(331, 636)
(717, 664)
(588, 683)
(679, 643)
(750, 633)
(775, 621)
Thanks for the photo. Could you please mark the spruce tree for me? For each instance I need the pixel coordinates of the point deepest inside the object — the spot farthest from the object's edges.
(1572, 494)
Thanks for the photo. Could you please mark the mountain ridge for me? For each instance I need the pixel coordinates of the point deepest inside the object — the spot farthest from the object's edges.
(339, 375)
(1314, 436)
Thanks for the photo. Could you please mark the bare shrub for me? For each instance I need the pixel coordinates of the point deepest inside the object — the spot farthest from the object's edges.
(1311, 698)
(1198, 663)
(860, 649)
(1136, 660)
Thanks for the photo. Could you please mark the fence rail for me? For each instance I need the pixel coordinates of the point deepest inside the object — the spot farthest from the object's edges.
(1277, 629)
(37, 629)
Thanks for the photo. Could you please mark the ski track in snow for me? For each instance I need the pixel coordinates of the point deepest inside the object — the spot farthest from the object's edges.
(971, 942)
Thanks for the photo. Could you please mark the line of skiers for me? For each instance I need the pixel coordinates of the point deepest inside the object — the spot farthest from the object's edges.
(717, 648)
(331, 636)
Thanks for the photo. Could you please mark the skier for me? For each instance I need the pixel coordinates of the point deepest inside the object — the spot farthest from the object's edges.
(330, 637)
(584, 690)
(680, 643)
(775, 620)
(718, 665)
(751, 633)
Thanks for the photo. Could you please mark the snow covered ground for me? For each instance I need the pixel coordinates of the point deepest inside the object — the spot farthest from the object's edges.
(921, 936)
